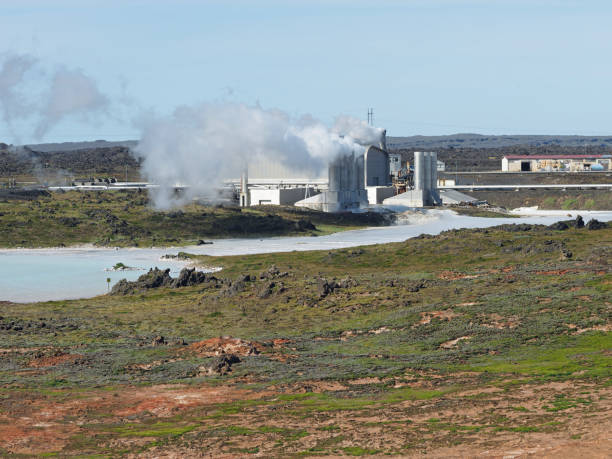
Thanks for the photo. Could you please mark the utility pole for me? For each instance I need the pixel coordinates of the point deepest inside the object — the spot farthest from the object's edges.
(370, 116)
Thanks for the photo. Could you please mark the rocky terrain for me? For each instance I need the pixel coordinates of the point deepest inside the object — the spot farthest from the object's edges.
(125, 218)
(488, 342)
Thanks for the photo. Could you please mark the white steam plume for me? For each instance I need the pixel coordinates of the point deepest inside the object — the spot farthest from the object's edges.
(65, 93)
(199, 146)
(12, 101)
(72, 93)
(358, 129)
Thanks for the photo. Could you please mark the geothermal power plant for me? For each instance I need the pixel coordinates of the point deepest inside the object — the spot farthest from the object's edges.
(352, 181)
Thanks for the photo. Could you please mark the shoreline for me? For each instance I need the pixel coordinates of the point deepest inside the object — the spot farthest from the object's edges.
(518, 212)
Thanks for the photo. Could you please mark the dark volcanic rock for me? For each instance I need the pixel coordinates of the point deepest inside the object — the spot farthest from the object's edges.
(153, 279)
(304, 225)
(272, 273)
(266, 290)
(188, 277)
(222, 365)
(567, 224)
(234, 288)
(325, 287)
(156, 278)
(596, 225)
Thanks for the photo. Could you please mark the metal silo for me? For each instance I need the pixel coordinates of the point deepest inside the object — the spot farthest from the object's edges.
(419, 177)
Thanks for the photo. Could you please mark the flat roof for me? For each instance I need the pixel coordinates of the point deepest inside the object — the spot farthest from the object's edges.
(557, 156)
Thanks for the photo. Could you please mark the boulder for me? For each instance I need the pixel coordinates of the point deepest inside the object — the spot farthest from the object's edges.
(596, 225)
(220, 366)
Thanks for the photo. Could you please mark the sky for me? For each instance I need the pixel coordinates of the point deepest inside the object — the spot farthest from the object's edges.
(426, 67)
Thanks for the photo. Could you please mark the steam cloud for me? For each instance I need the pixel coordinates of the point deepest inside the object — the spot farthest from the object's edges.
(201, 145)
(68, 92)
(12, 101)
(197, 146)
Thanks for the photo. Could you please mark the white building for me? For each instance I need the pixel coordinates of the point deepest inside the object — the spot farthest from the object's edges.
(556, 163)
(273, 195)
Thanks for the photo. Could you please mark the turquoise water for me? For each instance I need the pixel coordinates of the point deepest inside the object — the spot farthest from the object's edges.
(55, 274)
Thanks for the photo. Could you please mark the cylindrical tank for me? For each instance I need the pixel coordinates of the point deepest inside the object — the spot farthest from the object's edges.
(434, 170)
(418, 170)
(427, 171)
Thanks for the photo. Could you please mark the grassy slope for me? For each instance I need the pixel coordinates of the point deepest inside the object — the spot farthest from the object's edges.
(125, 219)
(513, 295)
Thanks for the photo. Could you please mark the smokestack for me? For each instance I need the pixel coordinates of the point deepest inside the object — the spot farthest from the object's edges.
(245, 200)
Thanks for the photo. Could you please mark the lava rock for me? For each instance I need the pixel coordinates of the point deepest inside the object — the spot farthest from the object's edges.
(596, 225)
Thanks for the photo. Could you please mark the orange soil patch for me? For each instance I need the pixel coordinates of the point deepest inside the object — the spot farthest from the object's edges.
(363, 381)
(500, 322)
(279, 342)
(577, 331)
(428, 316)
(225, 345)
(453, 275)
(453, 342)
(150, 366)
(52, 360)
(40, 425)
(22, 437)
(544, 300)
(555, 272)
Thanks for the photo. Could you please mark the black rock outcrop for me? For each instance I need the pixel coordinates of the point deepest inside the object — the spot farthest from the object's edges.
(156, 278)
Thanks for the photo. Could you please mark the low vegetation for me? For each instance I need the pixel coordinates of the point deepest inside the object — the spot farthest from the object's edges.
(126, 218)
(548, 199)
(473, 341)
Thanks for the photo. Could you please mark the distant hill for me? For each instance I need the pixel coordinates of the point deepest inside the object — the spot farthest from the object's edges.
(496, 141)
(72, 146)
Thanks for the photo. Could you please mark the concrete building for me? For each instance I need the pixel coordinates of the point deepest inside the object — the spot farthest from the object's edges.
(377, 175)
(346, 189)
(280, 196)
(425, 191)
(376, 164)
(556, 163)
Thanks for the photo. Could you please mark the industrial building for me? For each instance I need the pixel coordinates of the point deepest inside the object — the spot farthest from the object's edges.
(346, 186)
(281, 195)
(425, 191)
(353, 181)
(377, 164)
(556, 163)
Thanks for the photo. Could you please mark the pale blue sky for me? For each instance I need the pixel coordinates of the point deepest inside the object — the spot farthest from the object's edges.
(425, 66)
